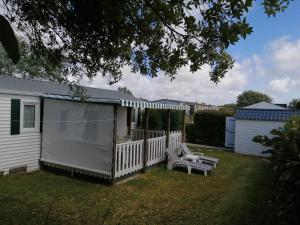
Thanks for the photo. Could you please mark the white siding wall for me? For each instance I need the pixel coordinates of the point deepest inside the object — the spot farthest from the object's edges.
(246, 130)
(17, 150)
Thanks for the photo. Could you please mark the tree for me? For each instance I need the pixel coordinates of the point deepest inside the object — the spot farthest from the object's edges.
(230, 106)
(28, 65)
(251, 97)
(89, 36)
(294, 104)
(125, 90)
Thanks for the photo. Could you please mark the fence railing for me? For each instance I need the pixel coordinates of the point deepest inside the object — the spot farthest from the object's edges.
(129, 155)
(138, 134)
(156, 150)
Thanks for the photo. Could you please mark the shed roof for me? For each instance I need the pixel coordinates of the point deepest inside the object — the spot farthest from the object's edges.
(265, 114)
(62, 91)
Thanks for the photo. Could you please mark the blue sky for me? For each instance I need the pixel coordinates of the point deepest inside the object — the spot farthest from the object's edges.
(267, 61)
(265, 29)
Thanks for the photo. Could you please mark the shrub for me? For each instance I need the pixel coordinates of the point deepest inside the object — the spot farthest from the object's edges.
(158, 119)
(285, 150)
(189, 132)
(208, 128)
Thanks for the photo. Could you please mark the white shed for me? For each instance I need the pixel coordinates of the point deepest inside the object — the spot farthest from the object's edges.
(258, 119)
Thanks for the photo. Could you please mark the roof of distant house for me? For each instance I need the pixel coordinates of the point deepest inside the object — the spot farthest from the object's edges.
(265, 114)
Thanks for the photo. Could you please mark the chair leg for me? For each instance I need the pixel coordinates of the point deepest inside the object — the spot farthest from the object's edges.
(189, 170)
(169, 166)
(205, 172)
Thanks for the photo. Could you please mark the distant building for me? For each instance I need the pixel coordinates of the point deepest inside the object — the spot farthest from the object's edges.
(194, 106)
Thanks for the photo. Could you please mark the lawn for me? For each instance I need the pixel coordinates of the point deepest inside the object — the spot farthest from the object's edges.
(236, 193)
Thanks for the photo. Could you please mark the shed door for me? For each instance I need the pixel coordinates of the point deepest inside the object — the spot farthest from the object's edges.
(230, 132)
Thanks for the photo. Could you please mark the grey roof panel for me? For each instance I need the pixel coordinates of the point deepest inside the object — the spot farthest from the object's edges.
(265, 114)
(45, 87)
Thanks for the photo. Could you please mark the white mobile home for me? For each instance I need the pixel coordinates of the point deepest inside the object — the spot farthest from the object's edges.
(258, 119)
(40, 122)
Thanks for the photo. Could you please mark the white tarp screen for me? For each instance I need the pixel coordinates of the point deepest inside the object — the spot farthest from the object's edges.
(78, 135)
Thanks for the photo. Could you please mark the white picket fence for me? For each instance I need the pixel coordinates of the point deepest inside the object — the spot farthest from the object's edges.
(129, 155)
(175, 140)
(138, 134)
(156, 150)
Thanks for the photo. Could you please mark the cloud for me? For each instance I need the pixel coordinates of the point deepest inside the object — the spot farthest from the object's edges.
(276, 72)
(186, 86)
(279, 85)
(285, 54)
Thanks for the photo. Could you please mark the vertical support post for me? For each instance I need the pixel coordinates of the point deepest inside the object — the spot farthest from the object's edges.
(113, 172)
(168, 128)
(41, 164)
(145, 140)
(129, 110)
(183, 126)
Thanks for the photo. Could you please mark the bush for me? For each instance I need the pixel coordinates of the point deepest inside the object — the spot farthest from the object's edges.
(158, 119)
(285, 150)
(189, 132)
(208, 128)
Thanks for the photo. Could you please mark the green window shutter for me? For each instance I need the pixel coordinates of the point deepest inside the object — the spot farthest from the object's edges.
(15, 116)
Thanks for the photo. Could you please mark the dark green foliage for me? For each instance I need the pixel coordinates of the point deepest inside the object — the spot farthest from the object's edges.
(251, 97)
(15, 117)
(208, 128)
(125, 90)
(294, 104)
(285, 149)
(189, 132)
(29, 66)
(158, 119)
(92, 36)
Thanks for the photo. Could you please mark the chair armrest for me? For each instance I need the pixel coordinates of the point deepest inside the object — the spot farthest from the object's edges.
(198, 153)
(175, 161)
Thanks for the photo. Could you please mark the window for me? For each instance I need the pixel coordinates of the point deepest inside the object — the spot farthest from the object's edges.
(29, 116)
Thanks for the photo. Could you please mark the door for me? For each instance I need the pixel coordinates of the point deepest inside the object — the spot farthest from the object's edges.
(229, 132)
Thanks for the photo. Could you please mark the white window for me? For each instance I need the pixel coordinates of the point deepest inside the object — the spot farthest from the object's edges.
(30, 117)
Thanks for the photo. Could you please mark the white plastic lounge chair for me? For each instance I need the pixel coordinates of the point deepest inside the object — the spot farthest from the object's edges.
(204, 159)
(174, 161)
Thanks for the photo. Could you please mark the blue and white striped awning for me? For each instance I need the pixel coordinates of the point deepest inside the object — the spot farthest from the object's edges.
(152, 105)
(126, 103)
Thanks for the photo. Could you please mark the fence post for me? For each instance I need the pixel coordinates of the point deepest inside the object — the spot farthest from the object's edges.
(145, 140)
(113, 172)
(168, 128)
(183, 126)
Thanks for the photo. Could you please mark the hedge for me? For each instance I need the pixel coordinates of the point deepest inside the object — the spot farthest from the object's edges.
(208, 128)
(158, 119)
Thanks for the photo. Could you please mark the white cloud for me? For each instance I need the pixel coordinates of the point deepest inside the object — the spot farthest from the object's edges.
(280, 85)
(276, 71)
(285, 54)
(186, 86)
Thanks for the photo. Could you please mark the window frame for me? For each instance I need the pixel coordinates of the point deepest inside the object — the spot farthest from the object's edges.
(36, 127)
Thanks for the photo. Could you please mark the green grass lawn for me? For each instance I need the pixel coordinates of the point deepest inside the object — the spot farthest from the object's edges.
(236, 193)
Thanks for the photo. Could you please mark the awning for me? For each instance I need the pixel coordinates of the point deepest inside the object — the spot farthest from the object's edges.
(152, 105)
(126, 103)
